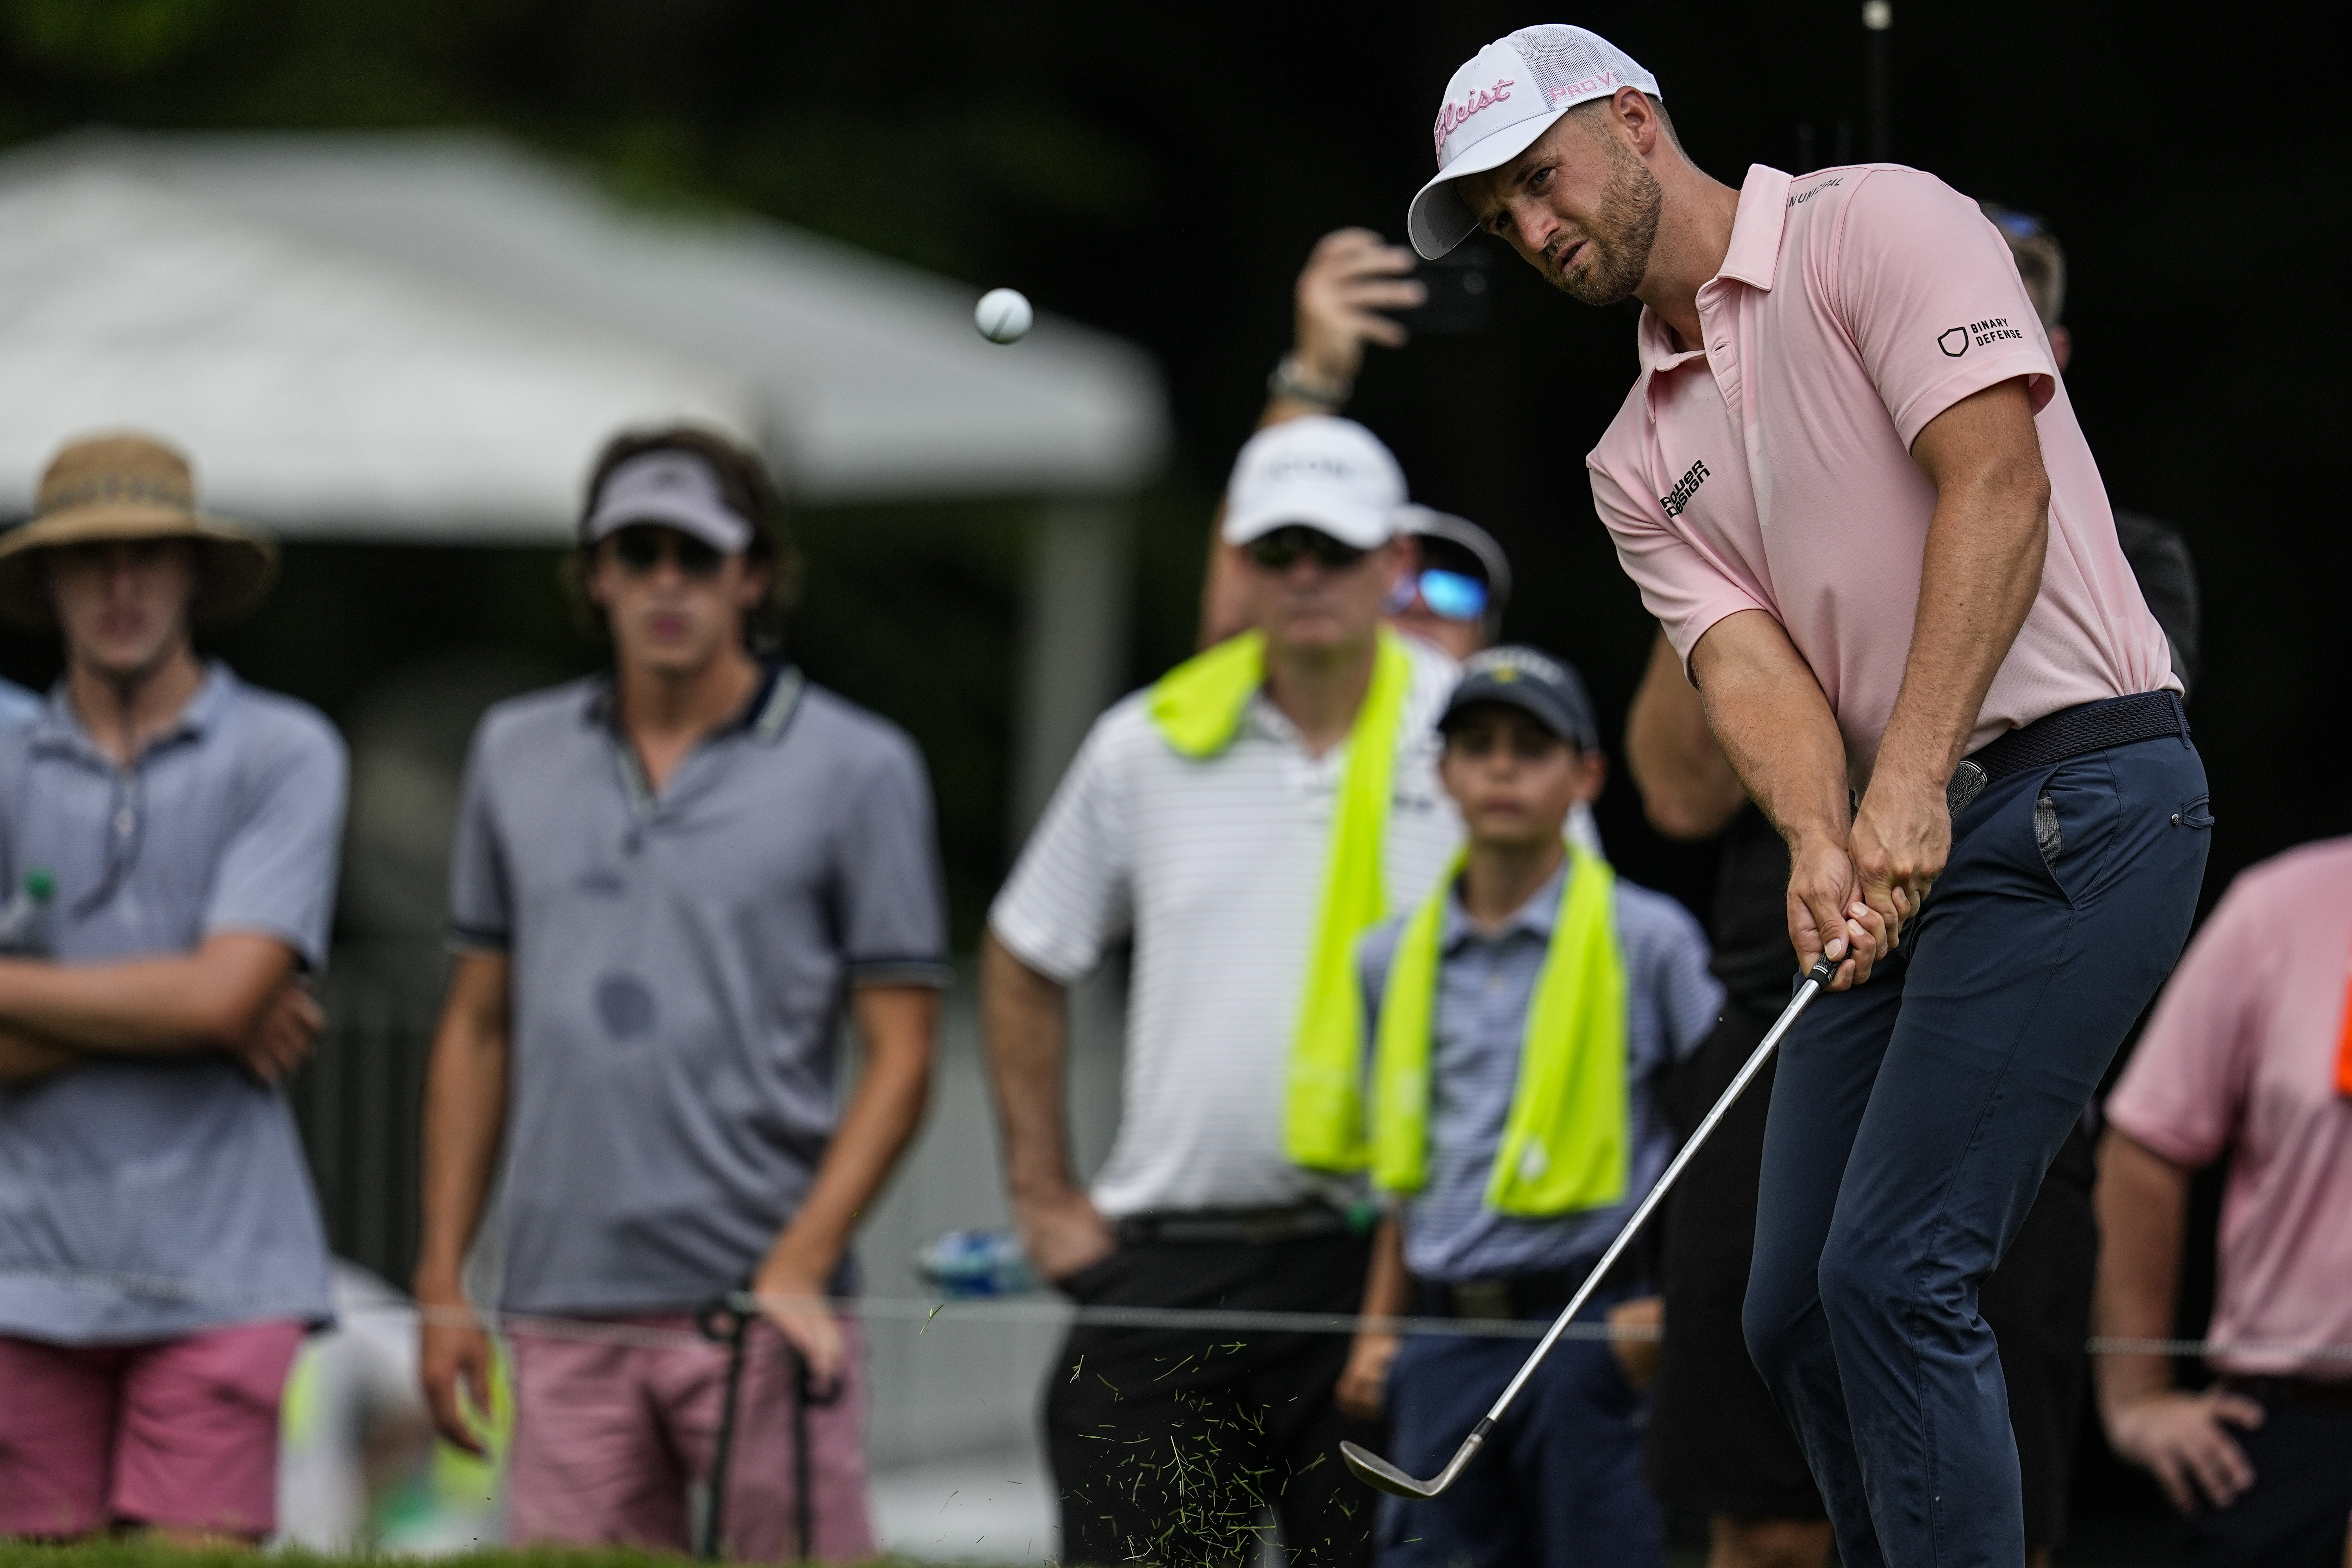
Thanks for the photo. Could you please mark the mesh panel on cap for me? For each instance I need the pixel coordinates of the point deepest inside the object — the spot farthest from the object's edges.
(1564, 55)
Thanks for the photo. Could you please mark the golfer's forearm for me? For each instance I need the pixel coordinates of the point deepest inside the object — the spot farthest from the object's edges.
(1977, 580)
(1025, 1021)
(1689, 788)
(1774, 725)
(2143, 1207)
(465, 1119)
(899, 1025)
(205, 1001)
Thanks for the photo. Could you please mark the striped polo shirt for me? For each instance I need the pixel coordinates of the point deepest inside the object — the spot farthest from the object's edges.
(1214, 867)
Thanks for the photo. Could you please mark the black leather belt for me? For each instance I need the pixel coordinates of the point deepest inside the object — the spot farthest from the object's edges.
(2070, 732)
(1231, 1227)
(1537, 1294)
(2331, 1393)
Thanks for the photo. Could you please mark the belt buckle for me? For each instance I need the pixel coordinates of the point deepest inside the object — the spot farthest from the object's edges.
(1967, 782)
(1483, 1299)
(1263, 1227)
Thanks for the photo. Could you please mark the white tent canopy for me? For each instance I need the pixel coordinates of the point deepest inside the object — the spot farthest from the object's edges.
(427, 336)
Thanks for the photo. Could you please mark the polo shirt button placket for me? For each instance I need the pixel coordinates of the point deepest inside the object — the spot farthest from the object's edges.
(125, 821)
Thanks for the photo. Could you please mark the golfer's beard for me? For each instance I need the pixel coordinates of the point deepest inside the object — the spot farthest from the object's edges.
(1618, 239)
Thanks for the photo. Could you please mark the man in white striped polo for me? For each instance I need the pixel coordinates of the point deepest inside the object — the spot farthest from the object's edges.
(1244, 819)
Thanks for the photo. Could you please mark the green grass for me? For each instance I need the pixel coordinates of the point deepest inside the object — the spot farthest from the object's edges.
(137, 1553)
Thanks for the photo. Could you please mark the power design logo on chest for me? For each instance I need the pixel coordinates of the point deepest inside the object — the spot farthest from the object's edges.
(1675, 499)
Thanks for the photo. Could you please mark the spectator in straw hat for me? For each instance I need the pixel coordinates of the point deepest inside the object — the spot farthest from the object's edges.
(168, 836)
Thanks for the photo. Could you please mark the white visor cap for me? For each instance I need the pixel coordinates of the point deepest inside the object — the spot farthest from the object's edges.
(1495, 108)
(670, 488)
(1329, 475)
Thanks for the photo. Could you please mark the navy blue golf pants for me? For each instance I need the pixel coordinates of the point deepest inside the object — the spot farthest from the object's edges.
(1912, 1119)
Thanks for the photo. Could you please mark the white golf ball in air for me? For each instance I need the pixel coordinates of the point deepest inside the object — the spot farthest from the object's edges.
(1003, 316)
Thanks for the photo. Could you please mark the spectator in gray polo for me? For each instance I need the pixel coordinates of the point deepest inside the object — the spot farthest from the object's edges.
(670, 883)
(168, 838)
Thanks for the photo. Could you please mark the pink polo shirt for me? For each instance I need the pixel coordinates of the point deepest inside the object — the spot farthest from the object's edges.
(2240, 1056)
(1772, 471)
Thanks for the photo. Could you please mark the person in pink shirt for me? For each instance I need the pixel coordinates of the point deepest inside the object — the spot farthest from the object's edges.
(2243, 1056)
(1849, 484)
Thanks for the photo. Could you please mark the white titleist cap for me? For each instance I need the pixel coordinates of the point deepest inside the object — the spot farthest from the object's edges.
(673, 488)
(1495, 107)
(1325, 474)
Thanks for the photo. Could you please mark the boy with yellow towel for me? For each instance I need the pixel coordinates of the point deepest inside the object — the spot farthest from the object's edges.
(1522, 1014)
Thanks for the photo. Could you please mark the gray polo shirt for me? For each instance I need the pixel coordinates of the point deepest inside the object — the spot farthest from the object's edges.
(680, 966)
(142, 1200)
(1485, 983)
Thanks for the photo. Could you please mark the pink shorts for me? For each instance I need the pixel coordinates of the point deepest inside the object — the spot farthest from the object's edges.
(608, 1438)
(180, 1432)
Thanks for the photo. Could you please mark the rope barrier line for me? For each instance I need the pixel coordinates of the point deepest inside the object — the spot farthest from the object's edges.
(2101, 1345)
(1014, 1310)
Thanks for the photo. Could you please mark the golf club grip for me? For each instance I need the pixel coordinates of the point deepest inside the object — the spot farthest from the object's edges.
(1816, 977)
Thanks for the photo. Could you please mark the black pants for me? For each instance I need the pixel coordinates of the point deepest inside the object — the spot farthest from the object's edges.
(1168, 1442)
(2295, 1515)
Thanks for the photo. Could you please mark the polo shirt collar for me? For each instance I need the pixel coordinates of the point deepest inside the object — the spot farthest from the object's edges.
(763, 718)
(1753, 257)
(1537, 917)
(59, 728)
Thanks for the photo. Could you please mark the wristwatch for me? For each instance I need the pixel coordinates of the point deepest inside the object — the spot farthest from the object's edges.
(1292, 380)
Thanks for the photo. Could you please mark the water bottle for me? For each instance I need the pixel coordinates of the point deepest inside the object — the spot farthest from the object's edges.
(24, 919)
(964, 1264)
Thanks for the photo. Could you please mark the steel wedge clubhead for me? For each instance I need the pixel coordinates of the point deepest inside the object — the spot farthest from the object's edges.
(1376, 1471)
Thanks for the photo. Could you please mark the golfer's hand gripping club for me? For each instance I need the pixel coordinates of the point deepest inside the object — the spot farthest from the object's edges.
(1375, 1471)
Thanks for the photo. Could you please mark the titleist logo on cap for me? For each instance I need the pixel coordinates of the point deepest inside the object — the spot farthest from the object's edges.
(1314, 465)
(1453, 115)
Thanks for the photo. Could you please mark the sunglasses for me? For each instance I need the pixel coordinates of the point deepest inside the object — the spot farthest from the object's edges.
(640, 552)
(1278, 551)
(2020, 225)
(1450, 595)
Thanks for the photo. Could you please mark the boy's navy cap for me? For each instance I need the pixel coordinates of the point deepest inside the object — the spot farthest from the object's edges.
(1533, 681)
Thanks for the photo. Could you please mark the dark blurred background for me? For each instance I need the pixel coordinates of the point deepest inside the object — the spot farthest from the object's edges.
(1161, 171)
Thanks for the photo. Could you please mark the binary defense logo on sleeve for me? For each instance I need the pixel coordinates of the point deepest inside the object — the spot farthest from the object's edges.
(1954, 342)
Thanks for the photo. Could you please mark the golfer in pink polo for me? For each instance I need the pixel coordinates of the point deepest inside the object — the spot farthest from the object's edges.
(1850, 486)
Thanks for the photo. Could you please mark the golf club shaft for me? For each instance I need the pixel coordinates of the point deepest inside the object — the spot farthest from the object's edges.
(1814, 980)
(713, 1545)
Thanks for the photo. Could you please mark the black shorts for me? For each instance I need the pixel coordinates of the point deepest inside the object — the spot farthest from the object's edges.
(1716, 1444)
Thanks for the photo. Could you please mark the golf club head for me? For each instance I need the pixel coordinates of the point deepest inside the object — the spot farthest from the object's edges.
(1377, 1472)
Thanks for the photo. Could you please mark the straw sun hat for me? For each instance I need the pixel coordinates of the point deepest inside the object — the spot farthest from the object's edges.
(125, 487)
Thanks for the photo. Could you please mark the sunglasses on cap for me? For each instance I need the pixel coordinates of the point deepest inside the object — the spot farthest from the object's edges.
(641, 548)
(1277, 550)
(1450, 595)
